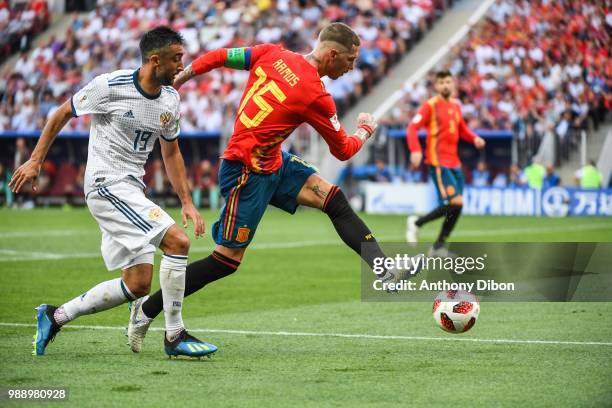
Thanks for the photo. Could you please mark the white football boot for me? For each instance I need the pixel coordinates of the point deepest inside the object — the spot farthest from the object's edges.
(138, 325)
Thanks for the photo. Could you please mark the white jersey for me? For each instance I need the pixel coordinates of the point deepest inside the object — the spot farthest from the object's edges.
(126, 122)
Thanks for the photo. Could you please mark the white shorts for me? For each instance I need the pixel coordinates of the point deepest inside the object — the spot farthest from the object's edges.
(132, 225)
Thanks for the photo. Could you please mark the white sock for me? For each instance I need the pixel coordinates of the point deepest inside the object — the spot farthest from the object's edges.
(101, 297)
(172, 282)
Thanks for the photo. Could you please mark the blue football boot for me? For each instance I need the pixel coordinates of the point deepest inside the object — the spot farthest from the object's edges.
(46, 328)
(187, 345)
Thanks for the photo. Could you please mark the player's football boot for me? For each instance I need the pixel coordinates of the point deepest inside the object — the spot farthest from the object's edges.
(46, 328)
(412, 230)
(396, 275)
(138, 325)
(187, 345)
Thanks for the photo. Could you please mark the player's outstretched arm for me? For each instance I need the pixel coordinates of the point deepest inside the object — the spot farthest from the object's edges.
(234, 58)
(29, 170)
(201, 65)
(175, 167)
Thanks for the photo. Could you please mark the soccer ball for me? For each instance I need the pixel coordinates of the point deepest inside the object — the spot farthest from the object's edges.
(456, 311)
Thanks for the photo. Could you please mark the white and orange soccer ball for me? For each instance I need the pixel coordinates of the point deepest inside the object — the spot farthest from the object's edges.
(456, 311)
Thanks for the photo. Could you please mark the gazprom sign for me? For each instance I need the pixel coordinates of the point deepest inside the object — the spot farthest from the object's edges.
(399, 198)
(552, 202)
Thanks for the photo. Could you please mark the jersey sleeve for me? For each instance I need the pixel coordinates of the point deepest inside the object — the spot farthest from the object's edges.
(92, 98)
(323, 117)
(174, 128)
(420, 119)
(235, 58)
(464, 131)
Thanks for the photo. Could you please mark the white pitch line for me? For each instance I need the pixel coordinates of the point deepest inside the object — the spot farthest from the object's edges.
(338, 335)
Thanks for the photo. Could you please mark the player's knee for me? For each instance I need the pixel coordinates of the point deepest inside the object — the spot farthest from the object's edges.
(176, 243)
(182, 244)
(234, 254)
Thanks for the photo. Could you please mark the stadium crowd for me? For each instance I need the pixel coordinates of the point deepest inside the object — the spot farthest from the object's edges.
(530, 67)
(20, 23)
(106, 39)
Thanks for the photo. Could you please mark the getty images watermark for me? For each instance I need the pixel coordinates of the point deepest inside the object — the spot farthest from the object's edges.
(494, 271)
(390, 270)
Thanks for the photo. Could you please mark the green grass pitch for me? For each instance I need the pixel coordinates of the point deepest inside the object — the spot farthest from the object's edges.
(298, 279)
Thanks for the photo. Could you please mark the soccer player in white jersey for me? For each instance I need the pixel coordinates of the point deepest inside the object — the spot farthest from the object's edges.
(130, 111)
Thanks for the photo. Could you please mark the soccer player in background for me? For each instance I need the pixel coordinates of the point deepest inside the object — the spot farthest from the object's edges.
(441, 116)
(284, 90)
(130, 111)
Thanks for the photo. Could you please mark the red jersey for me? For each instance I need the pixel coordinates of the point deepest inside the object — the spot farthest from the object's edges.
(445, 125)
(283, 91)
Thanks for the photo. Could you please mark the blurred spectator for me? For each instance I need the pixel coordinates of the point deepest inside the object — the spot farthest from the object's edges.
(411, 175)
(79, 182)
(205, 189)
(19, 23)
(347, 181)
(551, 179)
(22, 153)
(517, 177)
(6, 195)
(562, 132)
(381, 173)
(500, 180)
(534, 173)
(63, 182)
(158, 185)
(480, 175)
(589, 176)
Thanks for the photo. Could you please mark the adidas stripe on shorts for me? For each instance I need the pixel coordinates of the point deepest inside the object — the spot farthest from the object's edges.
(132, 226)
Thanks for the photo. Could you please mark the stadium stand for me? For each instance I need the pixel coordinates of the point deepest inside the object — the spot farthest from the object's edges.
(530, 67)
(106, 39)
(20, 22)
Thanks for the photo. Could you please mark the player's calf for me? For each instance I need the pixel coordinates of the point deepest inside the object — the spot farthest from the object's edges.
(175, 246)
(137, 279)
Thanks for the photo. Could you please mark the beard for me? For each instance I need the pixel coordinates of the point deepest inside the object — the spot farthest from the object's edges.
(166, 78)
(445, 93)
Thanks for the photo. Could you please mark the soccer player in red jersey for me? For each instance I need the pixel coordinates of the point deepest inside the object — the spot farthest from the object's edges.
(284, 90)
(441, 115)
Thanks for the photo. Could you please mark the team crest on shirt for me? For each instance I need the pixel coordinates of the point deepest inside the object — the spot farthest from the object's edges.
(417, 118)
(155, 214)
(335, 122)
(164, 119)
(243, 234)
(81, 101)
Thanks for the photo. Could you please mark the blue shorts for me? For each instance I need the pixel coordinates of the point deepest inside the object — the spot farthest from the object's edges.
(247, 194)
(448, 182)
